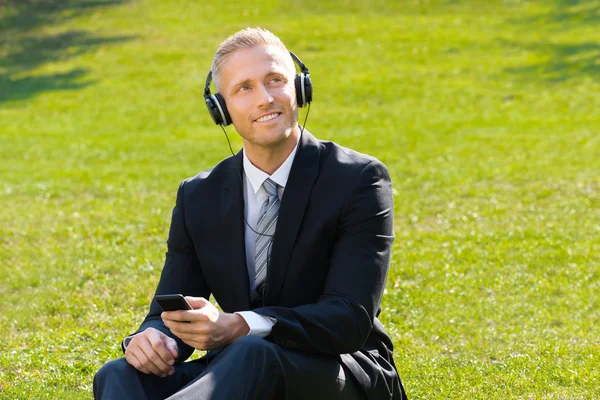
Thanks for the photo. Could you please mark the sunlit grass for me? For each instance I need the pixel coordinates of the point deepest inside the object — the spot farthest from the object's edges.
(486, 114)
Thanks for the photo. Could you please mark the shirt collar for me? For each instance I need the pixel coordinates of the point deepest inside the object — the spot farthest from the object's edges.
(257, 177)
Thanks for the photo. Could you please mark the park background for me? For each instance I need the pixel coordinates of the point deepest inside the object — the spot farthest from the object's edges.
(485, 112)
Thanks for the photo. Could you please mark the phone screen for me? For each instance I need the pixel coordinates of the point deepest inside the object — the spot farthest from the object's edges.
(172, 302)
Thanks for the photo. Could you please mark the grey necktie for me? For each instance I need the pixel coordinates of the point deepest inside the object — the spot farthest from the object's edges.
(265, 228)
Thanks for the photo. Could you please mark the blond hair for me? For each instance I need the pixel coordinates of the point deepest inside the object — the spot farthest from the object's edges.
(245, 39)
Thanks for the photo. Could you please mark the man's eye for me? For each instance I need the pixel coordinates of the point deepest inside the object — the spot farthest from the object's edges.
(244, 88)
(276, 80)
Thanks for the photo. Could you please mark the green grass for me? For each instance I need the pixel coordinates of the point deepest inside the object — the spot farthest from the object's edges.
(486, 113)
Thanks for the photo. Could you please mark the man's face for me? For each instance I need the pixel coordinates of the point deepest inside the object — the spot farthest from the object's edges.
(258, 87)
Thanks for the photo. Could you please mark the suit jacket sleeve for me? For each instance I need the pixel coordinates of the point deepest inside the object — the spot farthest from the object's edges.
(342, 318)
(181, 273)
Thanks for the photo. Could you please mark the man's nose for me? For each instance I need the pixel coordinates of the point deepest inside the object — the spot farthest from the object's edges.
(264, 96)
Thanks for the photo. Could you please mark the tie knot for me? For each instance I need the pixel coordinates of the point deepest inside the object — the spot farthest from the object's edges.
(271, 188)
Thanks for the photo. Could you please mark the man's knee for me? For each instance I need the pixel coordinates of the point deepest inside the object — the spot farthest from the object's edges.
(110, 373)
(114, 368)
(255, 350)
(257, 364)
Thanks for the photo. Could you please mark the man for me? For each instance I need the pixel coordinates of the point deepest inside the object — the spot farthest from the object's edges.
(292, 236)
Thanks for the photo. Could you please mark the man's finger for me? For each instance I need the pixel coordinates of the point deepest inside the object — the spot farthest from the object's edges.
(171, 345)
(134, 361)
(184, 316)
(197, 344)
(149, 365)
(159, 346)
(187, 336)
(152, 360)
(196, 327)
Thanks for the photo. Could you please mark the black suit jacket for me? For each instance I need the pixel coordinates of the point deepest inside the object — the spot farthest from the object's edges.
(329, 257)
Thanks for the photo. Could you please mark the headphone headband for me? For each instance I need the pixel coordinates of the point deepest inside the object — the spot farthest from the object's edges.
(218, 109)
(294, 57)
(300, 64)
(207, 85)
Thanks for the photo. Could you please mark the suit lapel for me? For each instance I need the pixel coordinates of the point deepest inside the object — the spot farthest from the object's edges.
(233, 224)
(303, 174)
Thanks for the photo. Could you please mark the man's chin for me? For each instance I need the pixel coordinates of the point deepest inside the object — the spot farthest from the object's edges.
(273, 139)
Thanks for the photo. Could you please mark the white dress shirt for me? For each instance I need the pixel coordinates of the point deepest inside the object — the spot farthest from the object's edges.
(254, 196)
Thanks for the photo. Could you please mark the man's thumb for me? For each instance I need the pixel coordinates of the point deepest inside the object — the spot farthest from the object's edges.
(196, 302)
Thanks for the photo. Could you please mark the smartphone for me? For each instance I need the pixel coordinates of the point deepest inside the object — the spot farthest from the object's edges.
(172, 302)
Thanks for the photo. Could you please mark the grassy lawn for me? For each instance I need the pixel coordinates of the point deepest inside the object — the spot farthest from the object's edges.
(486, 113)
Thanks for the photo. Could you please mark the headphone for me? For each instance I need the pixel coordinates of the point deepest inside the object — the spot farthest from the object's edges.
(218, 109)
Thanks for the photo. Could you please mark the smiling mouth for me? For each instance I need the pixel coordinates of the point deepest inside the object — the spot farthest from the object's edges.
(268, 117)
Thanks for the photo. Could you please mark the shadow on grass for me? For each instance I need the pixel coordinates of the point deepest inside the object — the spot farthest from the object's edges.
(24, 47)
(564, 13)
(564, 60)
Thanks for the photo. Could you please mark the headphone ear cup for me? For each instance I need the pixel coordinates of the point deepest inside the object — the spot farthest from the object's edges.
(223, 107)
(299, 93)
(308, 90)
(213, 110)
(303, 86)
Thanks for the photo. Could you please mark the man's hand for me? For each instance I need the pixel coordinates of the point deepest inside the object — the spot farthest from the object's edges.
(152, 352)
(205, 327)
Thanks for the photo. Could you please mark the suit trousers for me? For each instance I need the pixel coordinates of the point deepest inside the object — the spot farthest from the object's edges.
(250, 368)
